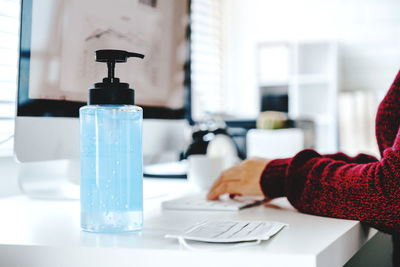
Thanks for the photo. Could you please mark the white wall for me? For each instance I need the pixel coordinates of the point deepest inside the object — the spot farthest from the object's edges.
(367, 31)
(9, 177)
(163, 140)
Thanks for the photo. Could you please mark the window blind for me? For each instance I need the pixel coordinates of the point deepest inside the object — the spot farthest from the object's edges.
(207, 46)
(9, 42)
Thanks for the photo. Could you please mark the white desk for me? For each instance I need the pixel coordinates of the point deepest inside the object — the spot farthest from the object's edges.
(46, 233)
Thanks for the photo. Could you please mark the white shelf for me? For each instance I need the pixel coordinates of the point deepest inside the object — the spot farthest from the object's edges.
(314, 79)
(274, 83)
(311, 81)
(315, 57)
(319, 119)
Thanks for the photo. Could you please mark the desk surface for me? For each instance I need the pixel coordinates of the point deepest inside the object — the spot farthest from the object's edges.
(46, 233)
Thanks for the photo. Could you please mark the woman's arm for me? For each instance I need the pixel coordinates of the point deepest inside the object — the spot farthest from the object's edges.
(368, 192)
(387, 125)
(388, 116)
(360, 188)
(276, 170)
(360, 158)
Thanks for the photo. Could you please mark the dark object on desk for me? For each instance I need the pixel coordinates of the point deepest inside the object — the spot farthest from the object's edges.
(199, 144)
(204, 132)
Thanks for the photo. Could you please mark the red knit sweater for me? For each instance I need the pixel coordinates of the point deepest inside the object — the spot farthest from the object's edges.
(360, 188)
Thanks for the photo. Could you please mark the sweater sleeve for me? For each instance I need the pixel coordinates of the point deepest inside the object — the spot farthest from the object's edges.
(368, 192)
(272, 181)
(360, 158)
(388, 116)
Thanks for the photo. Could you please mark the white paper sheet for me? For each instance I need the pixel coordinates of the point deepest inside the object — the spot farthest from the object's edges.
(230, 231)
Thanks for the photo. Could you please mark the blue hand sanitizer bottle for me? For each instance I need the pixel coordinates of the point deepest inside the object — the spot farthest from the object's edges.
(111, 153)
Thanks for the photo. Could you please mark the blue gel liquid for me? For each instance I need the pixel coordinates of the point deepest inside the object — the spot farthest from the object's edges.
(111, 168)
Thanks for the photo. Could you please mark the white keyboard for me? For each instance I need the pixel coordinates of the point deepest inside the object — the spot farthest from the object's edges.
(199, 202)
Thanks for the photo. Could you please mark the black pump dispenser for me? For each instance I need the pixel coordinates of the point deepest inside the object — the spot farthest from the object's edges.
(111, 91)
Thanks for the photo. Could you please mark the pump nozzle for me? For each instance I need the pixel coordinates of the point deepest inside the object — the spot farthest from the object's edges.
(111, 57)
(119, 56)
(111, 91)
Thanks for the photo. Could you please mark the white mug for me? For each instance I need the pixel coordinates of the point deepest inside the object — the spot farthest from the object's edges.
(204, 170)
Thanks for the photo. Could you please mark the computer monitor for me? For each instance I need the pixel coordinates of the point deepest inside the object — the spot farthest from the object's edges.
(57, 67)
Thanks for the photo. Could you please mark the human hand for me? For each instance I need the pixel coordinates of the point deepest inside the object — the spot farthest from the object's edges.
(243, 179)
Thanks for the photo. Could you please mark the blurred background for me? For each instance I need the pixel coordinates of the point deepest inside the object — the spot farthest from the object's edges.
(329, 62)
(321, 66)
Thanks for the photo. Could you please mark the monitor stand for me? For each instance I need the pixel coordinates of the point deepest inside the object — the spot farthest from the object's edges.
(172, 169)
(57, 179)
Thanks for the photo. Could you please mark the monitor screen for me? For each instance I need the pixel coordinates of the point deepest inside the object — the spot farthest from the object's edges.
(58, 40)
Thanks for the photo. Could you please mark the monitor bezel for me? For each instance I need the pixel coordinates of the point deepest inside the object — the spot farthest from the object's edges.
(27, 107)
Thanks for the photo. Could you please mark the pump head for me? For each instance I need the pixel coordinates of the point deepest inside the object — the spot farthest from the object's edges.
(120, 56)
(111, 91)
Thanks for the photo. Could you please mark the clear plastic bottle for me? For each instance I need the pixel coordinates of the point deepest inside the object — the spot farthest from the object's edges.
(111, 154)
(111, 168)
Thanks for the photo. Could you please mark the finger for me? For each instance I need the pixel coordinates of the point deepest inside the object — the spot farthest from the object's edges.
(222, 181)
(229, 175)
(234, 195)
(217, 187)
(227, 187)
